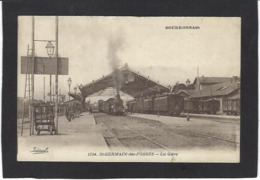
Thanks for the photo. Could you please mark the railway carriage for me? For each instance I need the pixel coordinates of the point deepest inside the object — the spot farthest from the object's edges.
(148, 106)
(105, 106)
(94, 107)
(131, 106)
(170, 104)
(161, 105)
(139, 106)
(173, 104)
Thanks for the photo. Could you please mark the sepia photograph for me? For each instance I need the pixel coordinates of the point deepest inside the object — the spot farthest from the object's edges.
(128, 89)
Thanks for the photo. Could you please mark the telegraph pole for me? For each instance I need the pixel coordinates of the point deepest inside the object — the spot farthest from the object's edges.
(50, 89)
(59, 96)
(44, 89)
(56, 78)
(53, 93)
(33, 53)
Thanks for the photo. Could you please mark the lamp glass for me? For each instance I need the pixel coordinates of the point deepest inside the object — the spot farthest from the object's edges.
(69, 81)
(50, 49)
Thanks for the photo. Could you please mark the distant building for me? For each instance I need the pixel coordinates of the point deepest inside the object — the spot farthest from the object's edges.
(179, 87)
(187, 82)
(220, 92)
(185, 93)
(201, 83)
(184, 90)
(20, 101)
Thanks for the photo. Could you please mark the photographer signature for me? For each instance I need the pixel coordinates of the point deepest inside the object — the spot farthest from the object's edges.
(37, 150)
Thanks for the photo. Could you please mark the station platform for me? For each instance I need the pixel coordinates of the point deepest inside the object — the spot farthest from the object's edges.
(196, 116)
(212, 116)
(74, 142)
(183, 118)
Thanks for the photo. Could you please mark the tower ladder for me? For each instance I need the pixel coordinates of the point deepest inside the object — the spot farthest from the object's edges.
(27, 95)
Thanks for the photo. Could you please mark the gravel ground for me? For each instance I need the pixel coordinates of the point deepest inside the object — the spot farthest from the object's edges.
(135, 133)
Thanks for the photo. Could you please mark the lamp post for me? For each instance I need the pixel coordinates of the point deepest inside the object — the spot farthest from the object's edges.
(75, 89)
(50, 51)
(69, 83)
(56, 75)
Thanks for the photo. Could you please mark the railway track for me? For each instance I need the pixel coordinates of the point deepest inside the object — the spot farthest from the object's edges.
(182, 133)
(201, 134)
(224, 121)
(131, 137)
(212, 137)
(136, 135)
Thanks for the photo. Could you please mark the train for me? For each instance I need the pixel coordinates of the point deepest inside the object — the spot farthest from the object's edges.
(113, 106)
(168, 104)
(173, 105)
(94, 107)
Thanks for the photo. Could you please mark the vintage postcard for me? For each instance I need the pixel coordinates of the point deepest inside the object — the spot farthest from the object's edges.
(128, 89)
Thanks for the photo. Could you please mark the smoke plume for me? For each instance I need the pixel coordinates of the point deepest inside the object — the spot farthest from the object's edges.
(115, 45)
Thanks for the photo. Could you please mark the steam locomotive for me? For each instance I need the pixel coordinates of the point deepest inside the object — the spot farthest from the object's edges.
(112, 106)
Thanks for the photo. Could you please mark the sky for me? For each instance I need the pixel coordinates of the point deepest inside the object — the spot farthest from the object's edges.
(94, 45)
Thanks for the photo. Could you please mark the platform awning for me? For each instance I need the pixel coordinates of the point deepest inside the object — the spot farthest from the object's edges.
(77, 96)
(131, 82)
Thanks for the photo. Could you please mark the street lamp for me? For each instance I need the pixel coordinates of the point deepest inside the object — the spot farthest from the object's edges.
(69, 83)
(50, 49)
(75, 89)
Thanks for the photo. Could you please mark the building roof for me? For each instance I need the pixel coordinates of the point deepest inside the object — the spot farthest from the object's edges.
(236, 96)
(213, 80)
(138, 85)
(178, 87)
(186, 91)
(191, 87)
(221, 89)
(76, 96)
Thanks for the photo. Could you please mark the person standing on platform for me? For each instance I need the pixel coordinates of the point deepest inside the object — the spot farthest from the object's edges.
(90, 110)
(132, 108)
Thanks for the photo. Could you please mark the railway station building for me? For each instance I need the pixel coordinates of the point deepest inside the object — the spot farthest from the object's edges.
(226, 93)
(129, 81)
